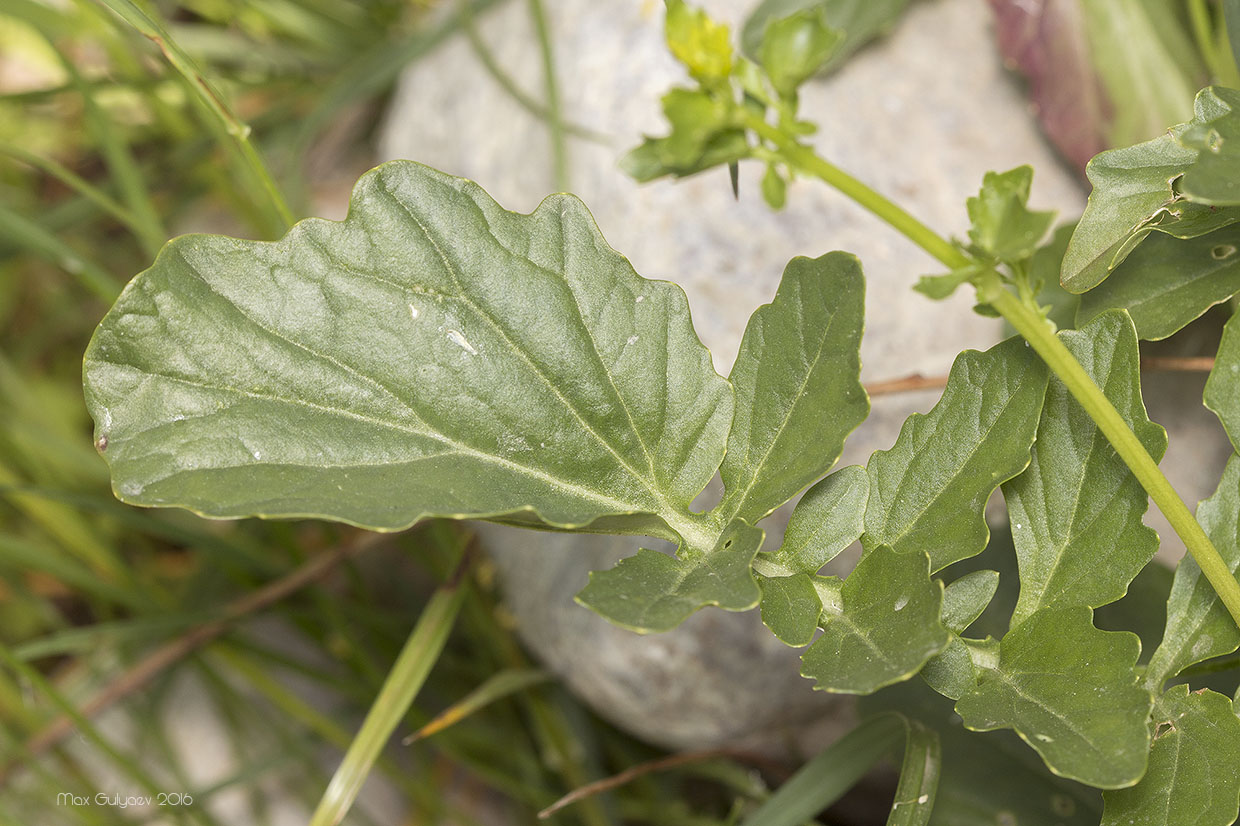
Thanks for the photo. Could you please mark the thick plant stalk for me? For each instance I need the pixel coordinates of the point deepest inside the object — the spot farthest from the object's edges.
(1029, 323)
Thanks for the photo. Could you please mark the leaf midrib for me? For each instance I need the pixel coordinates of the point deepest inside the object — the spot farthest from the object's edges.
(796, 402)
(646, 482)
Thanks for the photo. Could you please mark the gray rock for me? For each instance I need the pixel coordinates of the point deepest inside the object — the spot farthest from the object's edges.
(920, 116)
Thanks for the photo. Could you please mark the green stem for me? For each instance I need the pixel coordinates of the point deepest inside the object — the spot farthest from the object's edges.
(1203, 33)
(208, 96)
(1030, 324)
(412, 666)
(555, 122)
(807, 161)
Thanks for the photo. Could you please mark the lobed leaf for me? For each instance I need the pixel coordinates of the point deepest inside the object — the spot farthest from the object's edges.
(1192, 775)
(432, 354)
(1214, 176)
(1169, 282)
(1198, 626)
(702, 136)
(928, 492)
(651, 592)
(879, 627)
(1076, 510)
(1129, 185)
(1222, 392)
(1002, 226)
(1172, 184)
(1070, 691)
(798, 387)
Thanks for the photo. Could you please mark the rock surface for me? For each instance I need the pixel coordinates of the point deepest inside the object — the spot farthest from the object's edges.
(920, 116)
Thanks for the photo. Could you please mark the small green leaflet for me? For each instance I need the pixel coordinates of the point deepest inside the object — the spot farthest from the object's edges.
(1192, 777)
(1002, 226)
(826, 521)
(951, 672)
(790, 607)
(1169, 282)
(1076, 511)
(1002, 229)
(797, 379)
(966, 598)
(928, 492)
(653, 592)
(433, 354)
(858, 21)
(1070, 691)
(1222, 393)
(795, 47)
(1198, 626)
(879, 627)
(701, 137)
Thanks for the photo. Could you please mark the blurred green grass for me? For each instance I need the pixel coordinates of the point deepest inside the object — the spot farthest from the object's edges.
(105, 150)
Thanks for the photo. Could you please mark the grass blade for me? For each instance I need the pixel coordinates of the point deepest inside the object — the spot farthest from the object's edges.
(496, 688)
(822, 781)
(402, 685)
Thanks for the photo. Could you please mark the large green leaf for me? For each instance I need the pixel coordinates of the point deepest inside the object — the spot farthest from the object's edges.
(1129, 186)
(653, 592)
(1159, 186)
(1198, 626)
(433, 354)
(879, 627)
(928, 492)
(1222, 393)
(1070, 691)
(1192, 777)
(1076, 511)
(1169, 282)
(798, 385)
(859, 21)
